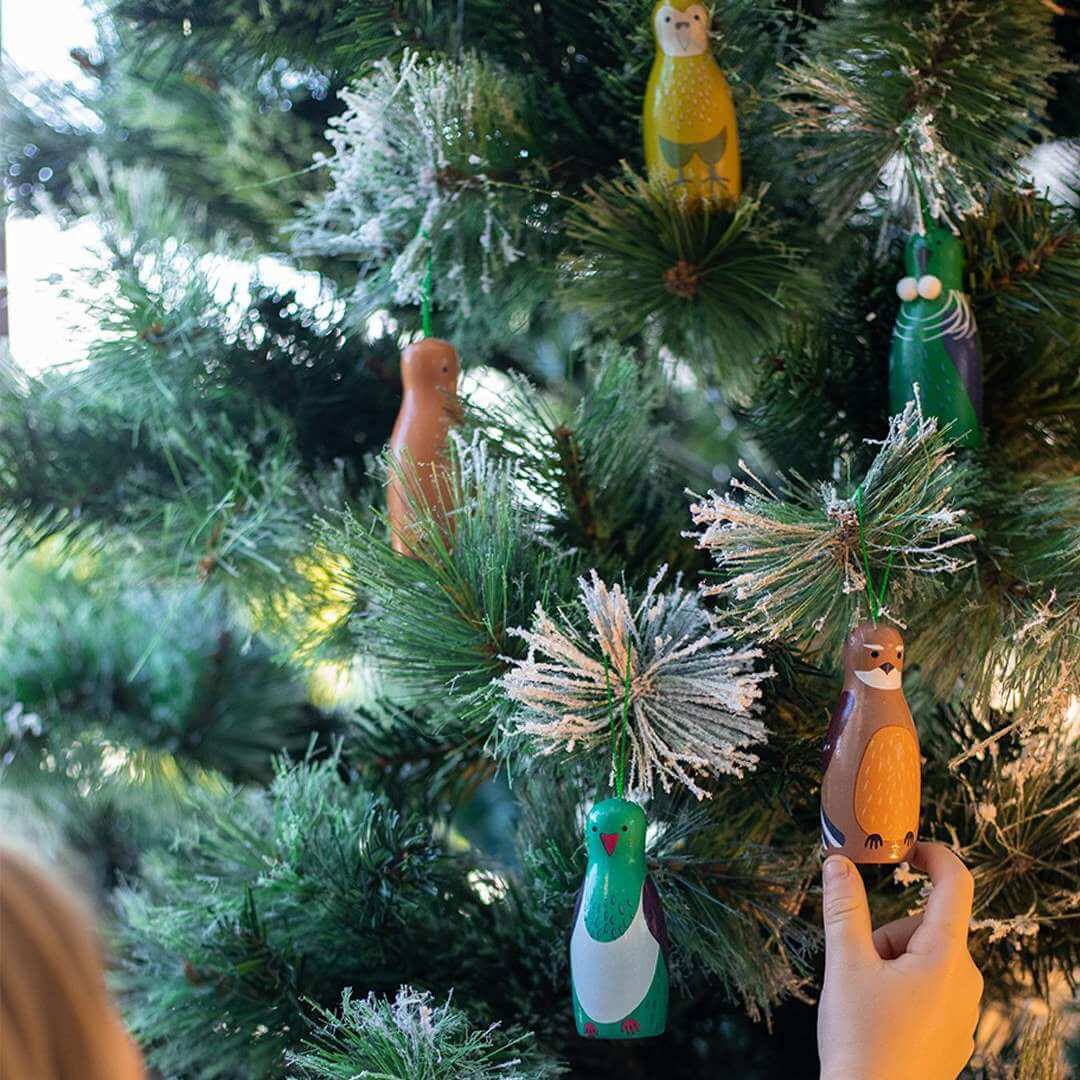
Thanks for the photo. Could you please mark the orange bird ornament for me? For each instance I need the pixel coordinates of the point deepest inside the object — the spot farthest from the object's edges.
(420, 478)
(870, 788)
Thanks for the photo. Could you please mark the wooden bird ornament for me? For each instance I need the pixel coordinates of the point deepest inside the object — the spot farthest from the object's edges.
(619, 944)
(691, 140)
(935, 341)
(421, 473)
(870, 790)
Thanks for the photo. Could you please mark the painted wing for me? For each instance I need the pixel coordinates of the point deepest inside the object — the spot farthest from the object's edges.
(841, 715)
(676, 154)
(966, 356)
(654, 916)
(712, 150)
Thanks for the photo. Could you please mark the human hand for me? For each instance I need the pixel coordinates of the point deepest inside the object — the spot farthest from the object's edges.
(903, 1001)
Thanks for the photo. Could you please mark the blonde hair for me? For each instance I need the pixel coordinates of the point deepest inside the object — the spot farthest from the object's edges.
(57, 1020)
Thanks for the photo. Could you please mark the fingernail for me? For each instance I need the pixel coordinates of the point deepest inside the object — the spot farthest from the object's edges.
(835, 868)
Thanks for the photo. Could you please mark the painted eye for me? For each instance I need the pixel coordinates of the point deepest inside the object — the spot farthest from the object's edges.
(594, 828)
(907, 288)
(874, 653)
(929, 287)
(624, 828)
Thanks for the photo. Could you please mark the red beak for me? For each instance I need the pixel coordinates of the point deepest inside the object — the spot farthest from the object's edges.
(609, 840)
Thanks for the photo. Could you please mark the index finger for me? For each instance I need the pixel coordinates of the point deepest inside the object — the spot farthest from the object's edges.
(948, 910)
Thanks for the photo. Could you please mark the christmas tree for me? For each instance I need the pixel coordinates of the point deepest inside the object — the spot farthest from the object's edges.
(724, 395)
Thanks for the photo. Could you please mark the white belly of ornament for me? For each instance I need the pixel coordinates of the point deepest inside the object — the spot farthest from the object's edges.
(611, 978)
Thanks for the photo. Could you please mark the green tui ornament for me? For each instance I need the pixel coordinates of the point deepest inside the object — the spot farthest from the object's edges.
(935, 341)
(619, 945)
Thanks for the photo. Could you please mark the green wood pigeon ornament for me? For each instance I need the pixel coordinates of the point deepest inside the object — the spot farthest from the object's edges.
(619, 944)
(935, 341)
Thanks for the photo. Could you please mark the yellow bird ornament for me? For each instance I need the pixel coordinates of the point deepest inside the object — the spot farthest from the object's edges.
(691, 141)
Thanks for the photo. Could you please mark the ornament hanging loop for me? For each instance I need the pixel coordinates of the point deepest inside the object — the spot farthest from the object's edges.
(875, 598)
(425, 293)
(618, 734)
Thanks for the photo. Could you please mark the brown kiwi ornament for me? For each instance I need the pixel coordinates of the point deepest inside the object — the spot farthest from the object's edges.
(870, 790)
(429, 408)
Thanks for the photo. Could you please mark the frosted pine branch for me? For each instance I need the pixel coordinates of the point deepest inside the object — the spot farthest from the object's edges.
(431, 162)
(793, 563)
(413, 1036)
(693, 699)
(955, 86)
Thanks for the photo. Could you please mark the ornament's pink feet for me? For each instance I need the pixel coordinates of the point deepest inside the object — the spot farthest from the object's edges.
(590, 1030)
(630, 1026)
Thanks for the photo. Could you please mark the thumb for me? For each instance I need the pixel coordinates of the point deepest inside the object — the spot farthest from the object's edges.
(848, 939)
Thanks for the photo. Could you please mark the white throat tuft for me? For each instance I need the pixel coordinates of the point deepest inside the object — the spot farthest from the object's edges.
(881, 680)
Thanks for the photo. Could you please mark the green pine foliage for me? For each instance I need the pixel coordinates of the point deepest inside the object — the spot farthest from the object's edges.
(1021, 590)
(475, 583)
(1024, 268)
(806, 564)
(283, 897)
(602, 469)
(714, 285)
(198, 578)
(955, 87)
(1015, 823)
(411, 1038)
(237, 28)
(88, 689)
(236, 135)
(197, 431)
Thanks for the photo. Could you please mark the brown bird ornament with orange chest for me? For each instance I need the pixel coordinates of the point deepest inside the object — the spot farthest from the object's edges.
(870, 790)
(421, 480)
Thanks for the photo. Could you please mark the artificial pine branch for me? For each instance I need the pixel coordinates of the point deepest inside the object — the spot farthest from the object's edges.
(402, 752)
(1023, 254)
(199, 435)
(818, 399)
(1012, 810)
(163, 681)
(714, 284)
(439, 626)
(412, 1038)
(431, 168)
(1023, 258)
(276, 898)
(367, 31)
(733, 904)
(1010, 628)
(600, 470)
(236, 136)
(793, 567)
(955, 85)
(689, 697)
(247, 29)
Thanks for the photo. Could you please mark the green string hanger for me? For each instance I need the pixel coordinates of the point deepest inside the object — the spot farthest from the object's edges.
(425, 293)
(618, 736)
(875, 598)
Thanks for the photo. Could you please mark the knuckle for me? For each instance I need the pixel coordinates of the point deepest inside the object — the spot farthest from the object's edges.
(840, 908)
